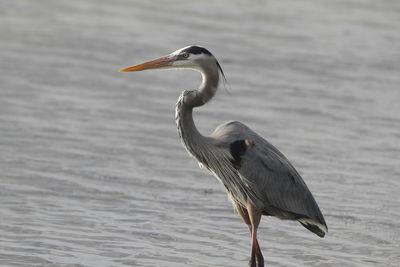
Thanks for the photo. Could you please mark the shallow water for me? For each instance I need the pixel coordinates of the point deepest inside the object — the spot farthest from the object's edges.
(93, 172)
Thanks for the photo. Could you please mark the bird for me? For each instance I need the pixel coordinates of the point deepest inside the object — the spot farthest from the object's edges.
(257, 177)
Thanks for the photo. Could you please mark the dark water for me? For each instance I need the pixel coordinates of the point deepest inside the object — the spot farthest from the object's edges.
(92, 170)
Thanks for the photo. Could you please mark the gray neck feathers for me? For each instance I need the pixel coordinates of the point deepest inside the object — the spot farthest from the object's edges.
(207, 89)
(203, 148)
(195, 143)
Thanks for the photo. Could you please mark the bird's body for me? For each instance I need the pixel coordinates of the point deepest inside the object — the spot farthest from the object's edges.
(257, 177)
(272, 183)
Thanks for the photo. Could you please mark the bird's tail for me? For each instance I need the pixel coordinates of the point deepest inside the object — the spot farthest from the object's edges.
(314, 226)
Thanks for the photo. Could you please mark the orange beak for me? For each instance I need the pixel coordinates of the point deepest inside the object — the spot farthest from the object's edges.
(161, 62)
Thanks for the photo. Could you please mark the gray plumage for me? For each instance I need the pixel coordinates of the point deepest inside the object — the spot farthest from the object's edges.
(257, 177)
(275, 184)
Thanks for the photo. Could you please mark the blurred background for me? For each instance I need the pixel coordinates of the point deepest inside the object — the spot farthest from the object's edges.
(94, 174)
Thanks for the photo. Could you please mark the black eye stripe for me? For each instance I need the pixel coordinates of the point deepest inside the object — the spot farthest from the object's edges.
(194, 49)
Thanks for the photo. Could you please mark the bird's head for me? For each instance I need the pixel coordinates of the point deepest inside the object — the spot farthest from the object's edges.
(192, 57)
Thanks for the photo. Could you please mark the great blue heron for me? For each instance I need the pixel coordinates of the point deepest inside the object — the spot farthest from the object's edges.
(257, 177)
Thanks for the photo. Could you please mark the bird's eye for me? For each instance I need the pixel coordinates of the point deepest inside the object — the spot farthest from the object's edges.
(185, 55)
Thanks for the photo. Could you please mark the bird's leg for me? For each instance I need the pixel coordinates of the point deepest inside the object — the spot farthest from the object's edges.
(251, 236)
(243, 213)
(245, 217)
(256, 259)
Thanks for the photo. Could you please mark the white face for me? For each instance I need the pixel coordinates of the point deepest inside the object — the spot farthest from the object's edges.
(184, 59)
(177, 52)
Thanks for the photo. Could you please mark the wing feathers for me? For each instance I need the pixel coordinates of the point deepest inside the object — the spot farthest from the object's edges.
(273, 179)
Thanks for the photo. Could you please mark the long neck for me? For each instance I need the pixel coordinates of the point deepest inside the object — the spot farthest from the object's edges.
(195, 143)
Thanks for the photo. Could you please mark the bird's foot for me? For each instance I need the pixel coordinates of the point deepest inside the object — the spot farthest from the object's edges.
(256, 261)
(259, 260)
(252, 262)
